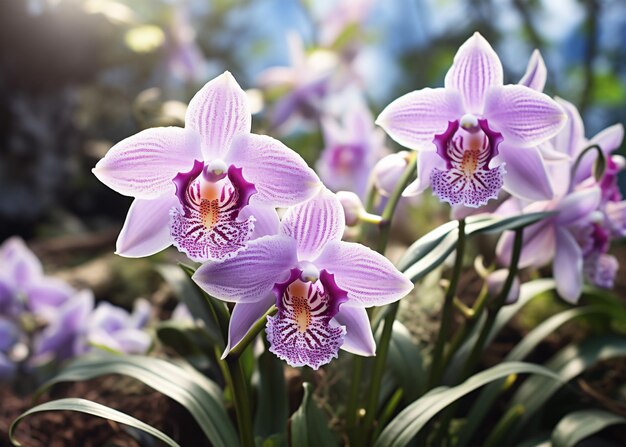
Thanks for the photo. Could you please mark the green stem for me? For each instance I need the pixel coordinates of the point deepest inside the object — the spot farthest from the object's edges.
(385, 222)
(383, 345)
(448, 310)
(502, 429)
(239, 389)
(495, 306)
(353, 397)
(252, 333)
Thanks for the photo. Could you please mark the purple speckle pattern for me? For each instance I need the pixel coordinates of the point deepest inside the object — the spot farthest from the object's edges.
(601, 269)
(301, 333)
(467, 180)
(206, 227)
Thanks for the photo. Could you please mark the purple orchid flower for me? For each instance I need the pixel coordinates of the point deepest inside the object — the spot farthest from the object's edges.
(211, 180)
(9, 337)
(556, 239)
(320, 285)
(351, 150)
(468, 131)
(589, 213)
(23, 285)
(114, 328)
(308, 79)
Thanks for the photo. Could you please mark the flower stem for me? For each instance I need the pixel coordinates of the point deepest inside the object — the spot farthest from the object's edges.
(385, 222)
(495, 306)
(383, 345)
(252, 333)
(448, 310)
(241, 398)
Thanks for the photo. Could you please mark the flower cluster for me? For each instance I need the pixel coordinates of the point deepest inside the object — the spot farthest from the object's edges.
(43, 319)
(212, 189)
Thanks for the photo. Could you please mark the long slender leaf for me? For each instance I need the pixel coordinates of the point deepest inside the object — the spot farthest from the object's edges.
(489, 395)
(405, 362)
(200, 396)
(309, 427)
(426, 244)
(478, 224)
(404, 427)
(273, 404)
(567, 364)
(579, 425)
(434, 258)
(92, 408)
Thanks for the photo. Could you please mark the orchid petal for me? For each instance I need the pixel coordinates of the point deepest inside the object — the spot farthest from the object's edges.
(249, 276)
(522, 115)
(550, 154)
(218, 112)
(536, 73)
(413, 119)
(128, 340)
(570, 140)
(266, 219)
(578, 205)
(359, 339)
(144, 164)
(46, 295)
(568, 267)
(369, 278)
(19, 263)
(314, 223)
(476, 68)
(280, 175)
(242, 319)
(526, 175)
(146, 229)
(427, 161)
(537, 249)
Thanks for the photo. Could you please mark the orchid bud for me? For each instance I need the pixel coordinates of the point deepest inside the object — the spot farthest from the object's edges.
(495, 282)
(388, 170)
(352, 207)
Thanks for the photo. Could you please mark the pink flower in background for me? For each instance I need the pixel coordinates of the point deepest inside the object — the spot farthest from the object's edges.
(207, 188)
(352, 146)
(475, 130)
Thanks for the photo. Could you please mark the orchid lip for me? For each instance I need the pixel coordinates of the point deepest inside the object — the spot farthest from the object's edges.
(301, 333)
(468, 146)
(207, 227)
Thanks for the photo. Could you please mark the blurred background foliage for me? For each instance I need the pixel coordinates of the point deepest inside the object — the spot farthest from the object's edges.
(76, 76)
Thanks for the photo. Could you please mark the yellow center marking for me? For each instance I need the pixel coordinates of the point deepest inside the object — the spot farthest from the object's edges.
(210, 212)
(469, 164)
(301, 310)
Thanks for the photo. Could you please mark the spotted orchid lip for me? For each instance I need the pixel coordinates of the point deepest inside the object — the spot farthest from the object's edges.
(206, 227)
(467, 151)
(301, 333)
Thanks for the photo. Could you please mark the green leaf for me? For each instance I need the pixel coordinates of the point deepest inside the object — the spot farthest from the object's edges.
(479, 224)
(426, 244)
(272, 409)
(200, 305)
(199, 395)
(434, 258)
(579, 425)
(405, 362)
(404, 427)
(95, 409)
(490, 394)
(309, 427)
(431, 250)
(568, 363)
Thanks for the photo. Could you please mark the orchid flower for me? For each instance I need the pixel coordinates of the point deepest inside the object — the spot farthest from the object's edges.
(320, 285)
(308, 80)
(23, 285)
(589, 213)
(476, 135)
(351, 149)
(9, 337)
(205, 187)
